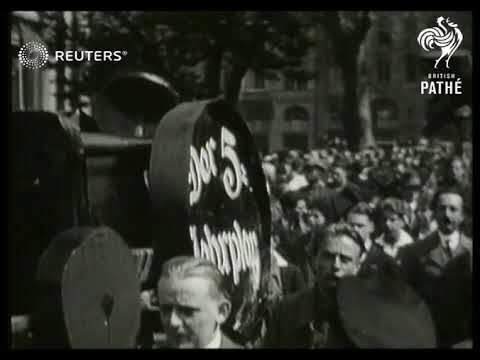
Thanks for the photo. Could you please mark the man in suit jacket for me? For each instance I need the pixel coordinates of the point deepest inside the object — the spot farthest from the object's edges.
(360, 217)
(194, 303)
(346, 310)
(440, 268)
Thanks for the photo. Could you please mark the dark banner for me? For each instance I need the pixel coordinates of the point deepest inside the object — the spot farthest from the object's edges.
(208, 188)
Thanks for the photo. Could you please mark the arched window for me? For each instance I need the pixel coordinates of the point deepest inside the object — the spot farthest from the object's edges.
(296, 113)
(384, 50)
(383, 67)
(384, 38)
(410, 67)
(385, 113)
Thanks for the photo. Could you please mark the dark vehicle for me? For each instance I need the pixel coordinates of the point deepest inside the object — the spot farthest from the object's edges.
(101, 175)
(73, 171)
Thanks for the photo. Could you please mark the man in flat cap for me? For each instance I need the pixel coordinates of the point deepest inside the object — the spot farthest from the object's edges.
(343, 310)
(440, 268)
(410, 189)
(340, 195)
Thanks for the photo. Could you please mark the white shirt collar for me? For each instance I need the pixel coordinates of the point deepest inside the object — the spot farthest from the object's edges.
(368, 244)
(413, 205)
(216, 341)
(281, 262)
(392, 249)
(451, 240)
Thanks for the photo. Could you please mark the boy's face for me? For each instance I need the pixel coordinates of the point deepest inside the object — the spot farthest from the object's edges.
(338, 178)
(317, 219)
(189, 312)
(457, 169)
(362, 224)
(392, 224)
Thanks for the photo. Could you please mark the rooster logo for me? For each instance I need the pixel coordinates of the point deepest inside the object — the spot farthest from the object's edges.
(448, 38)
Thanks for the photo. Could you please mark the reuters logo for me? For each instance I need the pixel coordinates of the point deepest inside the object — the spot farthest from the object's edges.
(33, 55)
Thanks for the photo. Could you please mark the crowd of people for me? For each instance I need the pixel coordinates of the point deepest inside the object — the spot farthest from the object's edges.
(403, 212)
(368, 249)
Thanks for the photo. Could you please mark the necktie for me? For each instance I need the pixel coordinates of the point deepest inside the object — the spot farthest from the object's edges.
(448, 248)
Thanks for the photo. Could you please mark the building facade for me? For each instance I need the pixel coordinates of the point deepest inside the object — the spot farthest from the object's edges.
(286, 114)
(37, 90)
(31, 90)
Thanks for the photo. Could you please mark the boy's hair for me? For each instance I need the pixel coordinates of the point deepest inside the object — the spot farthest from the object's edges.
(342, 228)
(182, 267)
(362, 208)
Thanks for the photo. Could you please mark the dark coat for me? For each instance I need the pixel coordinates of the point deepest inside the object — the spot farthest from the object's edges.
(377, 260)
(335, 204)
(445, 283)
(289, 323)
(292, 279)
(377, 310)
(227, 343)
(296, 252)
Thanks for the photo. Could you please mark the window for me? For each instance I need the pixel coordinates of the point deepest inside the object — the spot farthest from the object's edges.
(289, 84)
(363, 69)
(15, 86)
(296, 84)
(296, 113)
(384, 113)
(334, 111)
(302, 85)
(410, 113)
(256, 110)
(410, 67)
(384, 39)
(383, 68)
(259, 81)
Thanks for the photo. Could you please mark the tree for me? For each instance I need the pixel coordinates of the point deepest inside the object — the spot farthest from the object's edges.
(235, 42)
(62, 30)
(190, 49)
(348, 30)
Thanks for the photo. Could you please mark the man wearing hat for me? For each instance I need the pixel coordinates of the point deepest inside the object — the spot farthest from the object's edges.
(340, 195)
(411, 188)
(440, 268)
(343, 310)
(393, 214)
(315, 171)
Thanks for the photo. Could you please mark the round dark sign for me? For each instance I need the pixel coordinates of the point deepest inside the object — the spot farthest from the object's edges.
(87, 291)
(209, 191)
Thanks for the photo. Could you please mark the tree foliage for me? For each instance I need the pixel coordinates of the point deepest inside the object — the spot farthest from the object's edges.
(347, 31)
(190, 49)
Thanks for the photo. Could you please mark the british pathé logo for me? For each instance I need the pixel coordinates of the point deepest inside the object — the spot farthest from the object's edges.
(444, 39)
(447, 37)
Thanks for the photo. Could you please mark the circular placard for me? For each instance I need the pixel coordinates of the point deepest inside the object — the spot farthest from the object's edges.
(210, 197)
